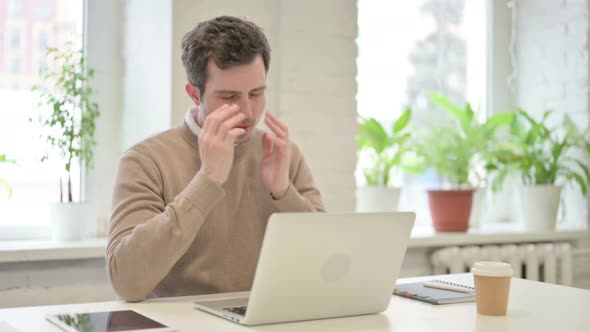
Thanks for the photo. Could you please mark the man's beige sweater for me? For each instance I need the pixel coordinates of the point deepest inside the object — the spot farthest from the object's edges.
(174, 232)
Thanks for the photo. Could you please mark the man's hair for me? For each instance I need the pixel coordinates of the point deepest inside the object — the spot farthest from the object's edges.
(229, 41)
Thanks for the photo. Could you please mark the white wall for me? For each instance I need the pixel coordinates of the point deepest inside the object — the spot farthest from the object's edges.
(317, 90)
(54, 282)
(147, 73)
(552, 71)
(104, 40)
(499, 98)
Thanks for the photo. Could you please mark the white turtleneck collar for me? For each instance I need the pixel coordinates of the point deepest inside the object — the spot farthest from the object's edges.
(192, 124)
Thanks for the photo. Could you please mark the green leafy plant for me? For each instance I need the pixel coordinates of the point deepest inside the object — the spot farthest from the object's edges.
(3, 182)
(67, 111)
(385, 148)
(458, 149)
(543, 155)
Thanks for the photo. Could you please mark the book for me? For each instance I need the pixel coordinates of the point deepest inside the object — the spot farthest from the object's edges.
(448, 285)
(418, 291)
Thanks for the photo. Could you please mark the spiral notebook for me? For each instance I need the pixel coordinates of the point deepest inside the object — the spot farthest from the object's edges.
(448, 285)
(437, 292)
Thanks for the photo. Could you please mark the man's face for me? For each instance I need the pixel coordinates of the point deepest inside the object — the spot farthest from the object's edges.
(243, 85)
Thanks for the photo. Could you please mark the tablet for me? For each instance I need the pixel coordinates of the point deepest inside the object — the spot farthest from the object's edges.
(109, 321)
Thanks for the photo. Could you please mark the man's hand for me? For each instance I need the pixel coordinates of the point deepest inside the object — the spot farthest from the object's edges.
(277, 157)
(216, 142)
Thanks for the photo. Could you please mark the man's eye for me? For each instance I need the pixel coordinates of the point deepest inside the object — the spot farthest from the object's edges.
(228, 97)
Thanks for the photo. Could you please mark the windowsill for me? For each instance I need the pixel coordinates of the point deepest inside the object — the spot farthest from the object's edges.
(422, 237)
(493, 233)
(34, 251)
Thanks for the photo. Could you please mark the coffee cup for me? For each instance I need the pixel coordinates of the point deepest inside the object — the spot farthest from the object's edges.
(492, 287)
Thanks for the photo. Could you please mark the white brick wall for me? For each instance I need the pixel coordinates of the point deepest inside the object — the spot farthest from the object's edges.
(317, 88)
(553, 73)
(552, 56)
(147, 79)
(552, 68)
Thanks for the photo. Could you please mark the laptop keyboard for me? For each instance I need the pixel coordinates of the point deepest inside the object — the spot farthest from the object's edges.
(237, 310)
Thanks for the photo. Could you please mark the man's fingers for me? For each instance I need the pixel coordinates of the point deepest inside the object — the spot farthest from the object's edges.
(279, 123)
(229, 124)
(216, 118)
(277, 142)
(233, 134)
(267, 144)
(275, 127)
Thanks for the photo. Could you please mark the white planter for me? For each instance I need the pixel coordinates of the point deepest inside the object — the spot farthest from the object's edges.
(537, 206)
(68, 220)
(377, 199)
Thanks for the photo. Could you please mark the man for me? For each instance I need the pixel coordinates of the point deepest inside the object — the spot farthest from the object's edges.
(190, 205)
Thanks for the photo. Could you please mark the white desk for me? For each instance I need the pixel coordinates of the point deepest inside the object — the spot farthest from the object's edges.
(533, 306)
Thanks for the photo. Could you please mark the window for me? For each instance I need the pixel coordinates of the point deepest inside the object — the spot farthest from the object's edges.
(42, 40)
(34, 183)
(44, 10)
(41, 64)
(15, 65)
(408, 48)
(15, 38)
(15, 8)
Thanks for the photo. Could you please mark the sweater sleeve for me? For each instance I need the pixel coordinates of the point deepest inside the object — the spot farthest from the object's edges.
(302, 195)
(145, 236)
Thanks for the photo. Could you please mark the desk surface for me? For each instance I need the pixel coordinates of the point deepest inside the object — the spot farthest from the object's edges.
(533, 306)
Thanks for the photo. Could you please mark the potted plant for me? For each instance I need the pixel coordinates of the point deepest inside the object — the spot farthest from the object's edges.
(457, 151)
(382, 150)
(3, 182)
(545, 158)
(68, 115)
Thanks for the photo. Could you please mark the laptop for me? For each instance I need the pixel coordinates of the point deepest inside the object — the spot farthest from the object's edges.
(321, 265)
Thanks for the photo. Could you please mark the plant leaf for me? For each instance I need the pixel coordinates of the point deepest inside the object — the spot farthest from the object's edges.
(402, 121)
(372, 135)
(578, 178)
(584, 169)
(498, 120)
(443, 102)
(8, 188)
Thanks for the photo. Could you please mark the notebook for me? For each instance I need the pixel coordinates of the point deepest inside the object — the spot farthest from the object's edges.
(418, 291)
(448, 285)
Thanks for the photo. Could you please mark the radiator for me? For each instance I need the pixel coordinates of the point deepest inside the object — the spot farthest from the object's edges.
(548, 262)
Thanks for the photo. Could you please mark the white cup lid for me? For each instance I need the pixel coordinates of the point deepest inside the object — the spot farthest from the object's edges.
(492, 269)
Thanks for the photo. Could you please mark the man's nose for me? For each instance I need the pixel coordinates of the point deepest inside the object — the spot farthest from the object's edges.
(245, 107)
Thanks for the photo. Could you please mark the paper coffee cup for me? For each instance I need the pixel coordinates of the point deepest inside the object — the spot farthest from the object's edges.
(492, 287)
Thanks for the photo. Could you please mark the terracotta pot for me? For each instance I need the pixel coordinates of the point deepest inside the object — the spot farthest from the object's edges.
(450, 209)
